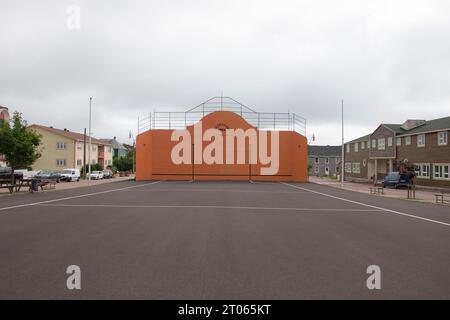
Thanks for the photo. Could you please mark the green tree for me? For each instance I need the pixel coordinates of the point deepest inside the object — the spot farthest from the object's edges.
(18, 143)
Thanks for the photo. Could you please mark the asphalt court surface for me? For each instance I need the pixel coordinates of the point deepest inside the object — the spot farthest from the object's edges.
(221, 240)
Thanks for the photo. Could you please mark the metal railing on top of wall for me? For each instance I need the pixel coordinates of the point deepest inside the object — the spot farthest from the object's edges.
(262, 120)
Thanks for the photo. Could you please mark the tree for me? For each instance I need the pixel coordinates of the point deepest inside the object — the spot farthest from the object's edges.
(18, 143)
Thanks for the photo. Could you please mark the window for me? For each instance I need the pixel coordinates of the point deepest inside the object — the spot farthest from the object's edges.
(363, 145)
(356, 167)
(348, 167)
(94, 147)
(61, 146)
(327, 160)
(79, 162)
(94, 161)
(390, 142)
(316, 160)
(356, 146)
(422, 170)
(381, 143)
(408, 140)
(338, 170)
(348, 147)
(316, 169)
(399, 141)
(421, 140)
(374, 143)
(61, 162)
(79, 146)
(108, 149)
(327, 171)
(441, 171)
(442, 138)
(337, 160)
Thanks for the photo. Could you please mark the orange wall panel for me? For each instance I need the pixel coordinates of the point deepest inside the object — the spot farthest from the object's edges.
(154, 149)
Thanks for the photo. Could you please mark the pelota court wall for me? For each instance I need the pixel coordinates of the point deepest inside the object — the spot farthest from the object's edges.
(154, 162)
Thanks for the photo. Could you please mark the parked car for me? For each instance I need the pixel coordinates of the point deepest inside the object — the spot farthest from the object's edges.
(70, 175)
(26, 174)
(107, 174)
(6, 173)
(397, 180)
(96, 175)
(49, 174)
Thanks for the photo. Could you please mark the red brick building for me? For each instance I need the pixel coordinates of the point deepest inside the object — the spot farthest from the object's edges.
(420, 144)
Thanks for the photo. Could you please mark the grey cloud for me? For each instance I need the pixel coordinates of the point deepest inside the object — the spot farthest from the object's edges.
(388, 60)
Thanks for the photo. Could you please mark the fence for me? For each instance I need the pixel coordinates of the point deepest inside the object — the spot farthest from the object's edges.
(261, 120)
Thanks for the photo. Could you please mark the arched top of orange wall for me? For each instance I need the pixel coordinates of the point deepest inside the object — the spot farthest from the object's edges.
(223, 120)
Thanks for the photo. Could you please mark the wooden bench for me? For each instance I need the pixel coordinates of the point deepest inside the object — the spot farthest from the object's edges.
(48, 184)
(442, 197)
(376, 190)
(6, 184)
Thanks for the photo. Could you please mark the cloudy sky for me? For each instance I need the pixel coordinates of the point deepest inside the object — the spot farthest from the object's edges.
(388, 59)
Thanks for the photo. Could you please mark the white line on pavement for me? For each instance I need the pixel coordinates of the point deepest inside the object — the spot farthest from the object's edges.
(75, 197)
(200, 207)
(368, 205)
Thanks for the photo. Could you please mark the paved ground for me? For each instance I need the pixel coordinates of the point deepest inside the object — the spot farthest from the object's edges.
(421, 194)
(72, 185)
(221, 240)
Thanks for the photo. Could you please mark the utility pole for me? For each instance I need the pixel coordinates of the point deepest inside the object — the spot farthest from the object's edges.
(343, 147)
(84, 155)
(90, 138)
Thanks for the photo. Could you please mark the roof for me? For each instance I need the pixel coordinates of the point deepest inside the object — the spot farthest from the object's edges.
(428, 126)
(116, 144)
(326, 151)
(394, 127)
(363, 138)
(68, 134)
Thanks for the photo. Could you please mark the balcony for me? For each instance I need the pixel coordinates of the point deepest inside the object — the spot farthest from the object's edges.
(101, 154)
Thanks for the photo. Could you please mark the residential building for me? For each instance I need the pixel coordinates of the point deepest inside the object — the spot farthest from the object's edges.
(4, 116)
(62, 148)
(119, 151)
(324, 160)
(418, 144)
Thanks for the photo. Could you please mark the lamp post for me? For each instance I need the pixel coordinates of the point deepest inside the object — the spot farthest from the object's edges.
(90, 139)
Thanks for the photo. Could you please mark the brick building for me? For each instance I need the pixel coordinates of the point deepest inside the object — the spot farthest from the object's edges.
(416, 143)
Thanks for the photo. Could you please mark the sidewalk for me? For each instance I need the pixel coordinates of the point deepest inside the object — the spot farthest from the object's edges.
(421, 195)
(72, 185)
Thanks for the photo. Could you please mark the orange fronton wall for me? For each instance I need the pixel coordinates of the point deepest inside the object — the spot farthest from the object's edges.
(154, 148)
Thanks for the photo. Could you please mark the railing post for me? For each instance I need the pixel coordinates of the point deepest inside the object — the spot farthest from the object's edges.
(274, 121)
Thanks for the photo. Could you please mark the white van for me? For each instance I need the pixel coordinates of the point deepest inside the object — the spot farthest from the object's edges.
(70, 175)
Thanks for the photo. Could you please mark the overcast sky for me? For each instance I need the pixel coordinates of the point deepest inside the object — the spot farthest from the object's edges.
(388, 59)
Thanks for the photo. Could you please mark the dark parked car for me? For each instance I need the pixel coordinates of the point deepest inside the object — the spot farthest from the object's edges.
(5, 175)
(398, 180)
(107, 174)
(49, 174)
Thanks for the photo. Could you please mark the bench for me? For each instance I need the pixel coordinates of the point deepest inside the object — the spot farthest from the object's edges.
(6, 184)
(48, 184)
(442, 197)
(376, 190)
